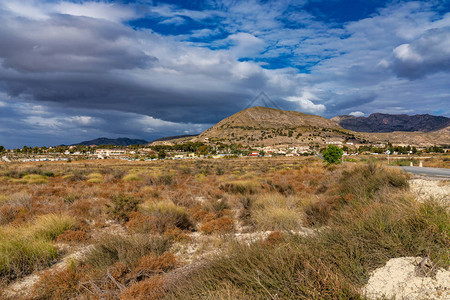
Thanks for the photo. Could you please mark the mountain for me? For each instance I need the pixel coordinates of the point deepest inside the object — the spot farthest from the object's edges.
(262, 126)
(268, 126)
(116, 142)
(378, 122)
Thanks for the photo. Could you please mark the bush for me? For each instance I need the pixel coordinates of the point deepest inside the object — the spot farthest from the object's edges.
(151, 288)
(221, 225)
(60, 284)
(51, 225)
(332, 154)
(73, 236)
(95, 178)
(121, 206)
(240, 187)
(132, 177)
(356, 187)
(160, 217)
(112, 249)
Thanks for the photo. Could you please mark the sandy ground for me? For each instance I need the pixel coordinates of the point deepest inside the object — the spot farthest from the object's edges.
(434, 188)
(404, 278)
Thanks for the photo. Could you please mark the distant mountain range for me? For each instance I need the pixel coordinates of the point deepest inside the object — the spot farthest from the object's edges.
(117, 142)
(168, 138)
(123, 141)
(378, 122)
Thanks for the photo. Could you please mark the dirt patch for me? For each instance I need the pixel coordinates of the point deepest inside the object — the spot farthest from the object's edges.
(429, 188)
(404, 278)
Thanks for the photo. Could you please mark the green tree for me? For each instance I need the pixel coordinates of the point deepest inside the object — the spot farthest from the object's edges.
(2, 149)
(333, 154)
(162, 154)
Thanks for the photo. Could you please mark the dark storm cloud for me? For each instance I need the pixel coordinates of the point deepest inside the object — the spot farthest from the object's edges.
(96, 68)
(66, 43)
(430, 53)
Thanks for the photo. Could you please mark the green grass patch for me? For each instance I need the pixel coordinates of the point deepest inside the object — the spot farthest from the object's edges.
(28, 248)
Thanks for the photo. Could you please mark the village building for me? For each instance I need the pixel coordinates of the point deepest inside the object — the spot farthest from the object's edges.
(110, 152)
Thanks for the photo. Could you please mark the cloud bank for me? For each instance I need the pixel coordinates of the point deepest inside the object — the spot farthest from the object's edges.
(101, 68)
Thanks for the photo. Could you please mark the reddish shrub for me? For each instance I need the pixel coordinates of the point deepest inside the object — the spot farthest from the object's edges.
(221, 225)
(152, 264)
(151, 289)
(62, 284)
(176, 234)
(73, 236)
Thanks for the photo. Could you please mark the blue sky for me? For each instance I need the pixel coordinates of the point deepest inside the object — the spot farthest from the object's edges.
(77, 70)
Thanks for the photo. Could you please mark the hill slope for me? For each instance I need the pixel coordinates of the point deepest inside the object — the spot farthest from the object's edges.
(378, 122)
(261, 126)
(269, 126)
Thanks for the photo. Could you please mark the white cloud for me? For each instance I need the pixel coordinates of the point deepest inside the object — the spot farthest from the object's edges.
(27, 8)
(173, 21)
(98, 10)
(357, 114)
(245, 44)
(41, 10)
(305, 101)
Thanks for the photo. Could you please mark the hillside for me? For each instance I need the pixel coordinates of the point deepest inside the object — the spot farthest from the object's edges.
(378, 122)
(116, 142)
(271, 127)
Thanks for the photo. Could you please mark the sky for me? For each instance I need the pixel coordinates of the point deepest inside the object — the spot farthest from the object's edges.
(77, 70)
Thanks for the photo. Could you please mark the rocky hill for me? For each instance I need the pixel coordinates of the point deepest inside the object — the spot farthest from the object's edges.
(261, 126)
(116, 142)
(269, 127)
(378, 122)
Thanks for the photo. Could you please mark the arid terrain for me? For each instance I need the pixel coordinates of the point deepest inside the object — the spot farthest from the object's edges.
(263, 228)
(270, 127)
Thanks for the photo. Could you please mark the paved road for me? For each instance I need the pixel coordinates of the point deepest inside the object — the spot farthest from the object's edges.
(435, 172)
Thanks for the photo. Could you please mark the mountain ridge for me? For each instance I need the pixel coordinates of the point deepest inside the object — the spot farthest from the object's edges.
(380, 122)
(121, 141)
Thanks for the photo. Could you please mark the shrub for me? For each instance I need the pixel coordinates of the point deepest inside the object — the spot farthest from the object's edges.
(95, 178)
(276, 218)
(112, 249)
(332, 154)
(21, 255)
(24, 249)
(356, 187)
(240, 187)
(221, 225)
(151, 288)
(121, 206)
(51, 225)
(73, 236)
(152, 264)
(60, 284)
(162, 216)
(34, 179)
(132, 177)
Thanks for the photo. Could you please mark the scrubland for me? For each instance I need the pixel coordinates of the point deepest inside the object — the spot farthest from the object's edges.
(209, 229)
